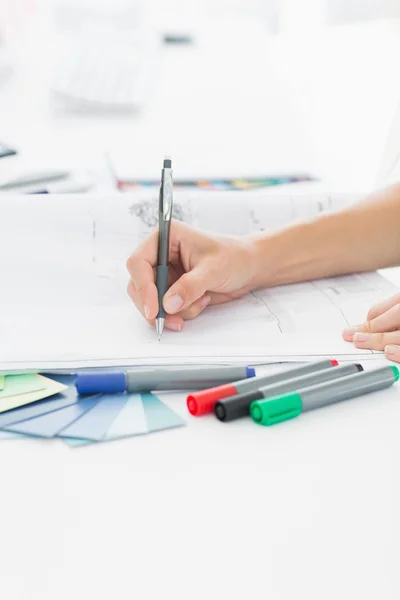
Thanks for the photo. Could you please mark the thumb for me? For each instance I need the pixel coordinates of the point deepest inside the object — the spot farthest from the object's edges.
(189, 288)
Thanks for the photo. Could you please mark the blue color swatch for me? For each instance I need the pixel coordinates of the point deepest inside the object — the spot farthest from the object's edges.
(81, 420)
(130, 421)
(50, 424)
(94, 425)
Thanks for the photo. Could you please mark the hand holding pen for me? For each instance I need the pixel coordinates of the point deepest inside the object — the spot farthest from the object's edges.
(200, 269)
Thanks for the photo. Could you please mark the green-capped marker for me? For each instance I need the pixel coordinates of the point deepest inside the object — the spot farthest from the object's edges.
(395, 372)
(275, 410)
(287, 406)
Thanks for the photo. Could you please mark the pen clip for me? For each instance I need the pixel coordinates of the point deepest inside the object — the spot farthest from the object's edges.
(167, 195)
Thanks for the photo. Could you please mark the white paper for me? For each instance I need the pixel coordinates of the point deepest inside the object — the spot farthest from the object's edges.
(63, 289)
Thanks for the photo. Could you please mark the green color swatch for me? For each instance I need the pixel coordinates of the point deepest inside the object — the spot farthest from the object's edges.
(14, 385)
(158, 415)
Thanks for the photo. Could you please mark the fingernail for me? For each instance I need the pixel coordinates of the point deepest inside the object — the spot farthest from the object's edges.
(173, 304)
(173, 326)
(350, 331)
(392, 349)
(204, 301)
(146, 311)
(362, 337)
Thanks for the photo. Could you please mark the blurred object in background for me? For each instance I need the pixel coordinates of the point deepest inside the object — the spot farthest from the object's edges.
(280, 16)
(13, 17)
(5, 62)
(105, 72)
(307, 15)
(27, 174)
(76, 16)
(110, 62)
(345, 11)
(200, 18)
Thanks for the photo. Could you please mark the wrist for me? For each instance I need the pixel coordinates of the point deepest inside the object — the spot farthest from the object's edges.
(301, 252)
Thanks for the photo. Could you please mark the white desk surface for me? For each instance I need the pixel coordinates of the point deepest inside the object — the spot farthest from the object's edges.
(308, 509)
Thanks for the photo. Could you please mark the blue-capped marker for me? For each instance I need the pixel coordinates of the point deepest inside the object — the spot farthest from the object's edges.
(151, 379)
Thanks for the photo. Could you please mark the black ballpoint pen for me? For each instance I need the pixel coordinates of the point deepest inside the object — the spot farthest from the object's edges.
(164, 225)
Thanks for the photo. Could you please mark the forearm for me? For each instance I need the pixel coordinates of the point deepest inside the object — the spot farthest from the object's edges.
(363, 237)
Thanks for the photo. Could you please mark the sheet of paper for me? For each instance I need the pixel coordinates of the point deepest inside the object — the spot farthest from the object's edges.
(51, 423)
(51, 388)
(79, 315)
(15, 385)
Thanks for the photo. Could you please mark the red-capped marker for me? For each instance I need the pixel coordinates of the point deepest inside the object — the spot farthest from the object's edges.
(200, 404)
(203, 402)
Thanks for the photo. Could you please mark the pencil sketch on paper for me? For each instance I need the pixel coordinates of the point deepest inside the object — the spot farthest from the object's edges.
(147, 212)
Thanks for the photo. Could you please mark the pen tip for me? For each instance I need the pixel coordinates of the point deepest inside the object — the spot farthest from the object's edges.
(159, 327)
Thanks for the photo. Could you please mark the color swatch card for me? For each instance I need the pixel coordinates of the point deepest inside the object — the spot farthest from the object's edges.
(130, 421)
(94, 424)
(158, 415)
(52, 423)
(14, 385)
(20, 390)
(82, 420)
(121, 415)
(7, 435)
(67, 397)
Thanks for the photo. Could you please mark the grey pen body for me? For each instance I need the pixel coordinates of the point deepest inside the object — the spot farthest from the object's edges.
(352, 386)
(163, 233)
(236, 407)
(310, 379)
(164, 225)
(258, 382)
(182, 379)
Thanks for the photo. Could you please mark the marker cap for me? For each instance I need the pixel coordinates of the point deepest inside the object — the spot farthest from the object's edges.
(395, 372)
(236, 406)
(106, 382)
(276, 410)
(203, 402)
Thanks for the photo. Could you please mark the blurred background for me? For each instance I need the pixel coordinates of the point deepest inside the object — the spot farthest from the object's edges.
(94, 92)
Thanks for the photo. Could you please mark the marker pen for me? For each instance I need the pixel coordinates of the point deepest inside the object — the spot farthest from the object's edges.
(239, 406)
(203, 402)
(287, 406)
(145, 380)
